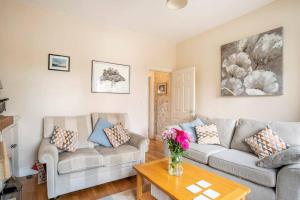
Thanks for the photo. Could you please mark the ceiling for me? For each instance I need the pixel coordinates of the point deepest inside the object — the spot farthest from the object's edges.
(152, 17)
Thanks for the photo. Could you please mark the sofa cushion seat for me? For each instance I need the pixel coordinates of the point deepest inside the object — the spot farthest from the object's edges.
(119, 155)
(243, 165)
(201, 152)
(80, 160)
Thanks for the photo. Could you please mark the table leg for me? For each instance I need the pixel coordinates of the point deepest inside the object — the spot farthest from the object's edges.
(139, 187)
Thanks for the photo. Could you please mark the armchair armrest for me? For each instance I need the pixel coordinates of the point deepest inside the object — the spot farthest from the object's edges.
(288, 182)
(48, 154)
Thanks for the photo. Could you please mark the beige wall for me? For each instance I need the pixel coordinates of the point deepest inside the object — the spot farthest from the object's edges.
(204, 51)
(28, 34)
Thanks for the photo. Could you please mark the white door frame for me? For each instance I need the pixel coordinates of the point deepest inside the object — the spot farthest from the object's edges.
(151, 100)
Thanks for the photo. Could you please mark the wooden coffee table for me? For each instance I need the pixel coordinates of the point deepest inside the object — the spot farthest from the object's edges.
(175, 187)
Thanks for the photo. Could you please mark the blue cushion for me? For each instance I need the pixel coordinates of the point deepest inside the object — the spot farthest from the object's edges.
(189, 127)
(98, 135)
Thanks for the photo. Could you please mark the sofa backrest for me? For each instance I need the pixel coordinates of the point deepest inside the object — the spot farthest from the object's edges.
(81, 124)
(288, 131)
(246, 128)
(111, 117)
(225, 128)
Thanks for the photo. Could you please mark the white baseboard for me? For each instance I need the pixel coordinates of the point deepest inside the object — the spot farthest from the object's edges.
(26, 171)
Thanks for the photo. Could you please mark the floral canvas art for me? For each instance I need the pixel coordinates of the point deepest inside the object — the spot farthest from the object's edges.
(253, 66)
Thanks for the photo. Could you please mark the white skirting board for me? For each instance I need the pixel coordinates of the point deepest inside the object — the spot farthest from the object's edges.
(25, 171)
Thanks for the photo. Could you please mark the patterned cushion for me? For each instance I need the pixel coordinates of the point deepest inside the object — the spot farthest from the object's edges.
(64, 139)
(117, 135)
(266, 143)
(207, 134)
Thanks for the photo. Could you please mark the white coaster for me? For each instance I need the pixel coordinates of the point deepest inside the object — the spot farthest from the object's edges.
(203, 184)
(193, 188)
(201, 197)
(211, 193)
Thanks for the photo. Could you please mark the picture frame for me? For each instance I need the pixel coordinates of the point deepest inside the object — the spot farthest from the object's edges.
(58, 62)
(108, 77)
(162, 88)
(253, 66)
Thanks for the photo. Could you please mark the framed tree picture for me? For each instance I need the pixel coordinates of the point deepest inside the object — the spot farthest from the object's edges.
(110, 77)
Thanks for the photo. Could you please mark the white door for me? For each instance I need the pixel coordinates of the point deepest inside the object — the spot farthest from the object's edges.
(183, 95)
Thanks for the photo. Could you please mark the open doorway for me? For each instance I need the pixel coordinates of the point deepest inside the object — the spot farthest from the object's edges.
(159, 102)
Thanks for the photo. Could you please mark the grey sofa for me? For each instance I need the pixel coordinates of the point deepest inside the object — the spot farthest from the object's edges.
(233, 158)
(90, 164)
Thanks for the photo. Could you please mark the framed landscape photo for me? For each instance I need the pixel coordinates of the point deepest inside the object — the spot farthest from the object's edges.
(59, 62)
(110, 77)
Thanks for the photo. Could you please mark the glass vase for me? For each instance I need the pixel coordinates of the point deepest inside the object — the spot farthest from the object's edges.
(175, 165)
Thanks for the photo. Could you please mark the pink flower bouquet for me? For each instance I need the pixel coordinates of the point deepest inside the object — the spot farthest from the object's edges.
(178, 142)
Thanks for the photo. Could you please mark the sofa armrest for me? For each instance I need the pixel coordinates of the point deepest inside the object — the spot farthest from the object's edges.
(288, 183)
(139, 142)
(48, 154)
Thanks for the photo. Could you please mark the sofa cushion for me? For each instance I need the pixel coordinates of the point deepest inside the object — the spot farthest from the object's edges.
(113, 118)
(244, 129)
(189, 127)
(64, 140)
(265, 143)
(201, 152)
(120, 155)
(207, 134)
(80, 124)
(285, 157)
(288, 131)
(98, 135)
(243, 164)
(81, 159)
(225, 128)
(117, 135)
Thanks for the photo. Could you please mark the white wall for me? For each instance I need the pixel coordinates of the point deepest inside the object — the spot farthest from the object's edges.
(204, 51)
(28, 34)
